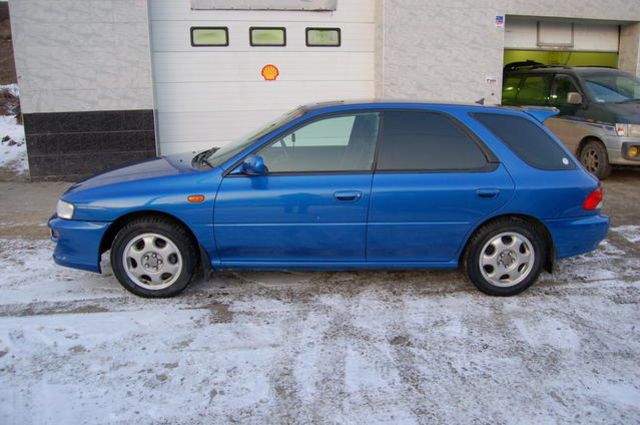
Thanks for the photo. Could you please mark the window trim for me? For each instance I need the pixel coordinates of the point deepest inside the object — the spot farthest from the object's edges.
(491, 161)
(311, 120)
(284, 36)
(306, 36)
(226, 33)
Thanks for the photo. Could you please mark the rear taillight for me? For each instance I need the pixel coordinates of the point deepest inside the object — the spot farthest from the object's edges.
(594, 200)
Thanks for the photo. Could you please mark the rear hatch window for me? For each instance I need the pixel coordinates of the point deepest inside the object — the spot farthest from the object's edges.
(527, 140)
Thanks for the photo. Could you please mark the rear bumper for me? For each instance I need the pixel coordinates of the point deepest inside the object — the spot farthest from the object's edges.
(77, 243)
(577, 236)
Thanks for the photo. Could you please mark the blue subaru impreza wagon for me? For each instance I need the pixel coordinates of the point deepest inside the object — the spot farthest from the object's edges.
(337, 186)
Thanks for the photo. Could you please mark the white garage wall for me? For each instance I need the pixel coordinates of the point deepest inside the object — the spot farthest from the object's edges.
(207, 96)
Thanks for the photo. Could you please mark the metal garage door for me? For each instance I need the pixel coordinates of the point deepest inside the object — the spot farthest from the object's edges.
(206, 96)
(579, 36)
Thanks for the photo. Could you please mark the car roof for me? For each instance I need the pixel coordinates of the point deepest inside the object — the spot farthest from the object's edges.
(538, 69)
(539, 113)
(386, 103)
(395, 103)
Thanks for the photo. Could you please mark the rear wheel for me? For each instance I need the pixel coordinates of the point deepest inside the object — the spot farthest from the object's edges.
(153, 258)
(505, 257)
(595, 159)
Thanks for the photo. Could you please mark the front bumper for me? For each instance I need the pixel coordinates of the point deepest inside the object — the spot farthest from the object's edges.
(78, 243)
(618, 148)
(575, 236)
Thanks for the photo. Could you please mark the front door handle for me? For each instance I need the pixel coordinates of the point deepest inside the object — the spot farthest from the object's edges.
(348, 195)
(487, 193)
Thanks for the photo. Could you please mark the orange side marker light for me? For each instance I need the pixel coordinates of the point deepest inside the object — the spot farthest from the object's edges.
(196, 199)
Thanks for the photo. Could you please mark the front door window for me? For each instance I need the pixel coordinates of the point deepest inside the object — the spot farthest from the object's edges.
(333, 144)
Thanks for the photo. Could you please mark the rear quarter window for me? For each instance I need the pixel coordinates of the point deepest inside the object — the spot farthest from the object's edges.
(527, 140)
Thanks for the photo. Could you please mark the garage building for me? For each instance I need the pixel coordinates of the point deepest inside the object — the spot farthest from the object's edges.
(108, 82)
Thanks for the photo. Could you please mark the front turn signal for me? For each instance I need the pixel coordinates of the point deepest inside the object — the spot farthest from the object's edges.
(196, 199)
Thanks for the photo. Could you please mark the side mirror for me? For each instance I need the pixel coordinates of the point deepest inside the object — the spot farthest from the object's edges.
(574, 98)
(253, 165)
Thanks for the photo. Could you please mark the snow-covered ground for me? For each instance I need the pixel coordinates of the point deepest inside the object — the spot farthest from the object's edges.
(361, 347)
(13, 149)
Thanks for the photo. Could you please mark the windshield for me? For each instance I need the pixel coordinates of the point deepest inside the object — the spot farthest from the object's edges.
(613, 87)
(231, 149)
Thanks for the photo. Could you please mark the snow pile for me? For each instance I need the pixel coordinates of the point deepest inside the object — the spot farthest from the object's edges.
(630, 232)
(13, 149)
(12, 89)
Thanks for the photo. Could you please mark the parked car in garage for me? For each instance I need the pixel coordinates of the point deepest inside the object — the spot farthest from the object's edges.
(340, 186)
(599, 108)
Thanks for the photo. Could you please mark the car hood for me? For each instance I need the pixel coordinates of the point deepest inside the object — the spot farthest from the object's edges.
(626, 112)
(149, 169)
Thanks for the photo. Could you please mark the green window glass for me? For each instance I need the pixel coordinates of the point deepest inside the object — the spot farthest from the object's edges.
(535, 90)
(323, 37)
(510, 90)
(263, 36)
(209, 36)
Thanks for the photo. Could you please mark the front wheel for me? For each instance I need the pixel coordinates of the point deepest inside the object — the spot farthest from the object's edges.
(505, 257)
(595, 159)
(153, 258)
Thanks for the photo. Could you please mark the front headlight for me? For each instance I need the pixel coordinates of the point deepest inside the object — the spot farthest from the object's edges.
(64, 210)
(628, 130)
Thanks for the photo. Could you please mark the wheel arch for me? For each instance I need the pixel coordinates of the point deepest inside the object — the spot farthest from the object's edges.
(585, 140)
(120, 222)
(539, 225)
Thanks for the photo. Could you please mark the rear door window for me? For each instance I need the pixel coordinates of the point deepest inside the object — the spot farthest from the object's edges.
(426, 141)
(534, 90)
(510, 89)
(527, 140)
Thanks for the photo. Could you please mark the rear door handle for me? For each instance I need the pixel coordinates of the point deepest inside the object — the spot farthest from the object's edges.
(487, 193)
(347, 195)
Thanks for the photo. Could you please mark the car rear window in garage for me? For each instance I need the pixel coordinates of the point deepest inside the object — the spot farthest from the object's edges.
(426, 141)
(527, 140)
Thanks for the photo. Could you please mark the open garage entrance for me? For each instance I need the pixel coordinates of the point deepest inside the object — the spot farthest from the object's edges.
(561, 42)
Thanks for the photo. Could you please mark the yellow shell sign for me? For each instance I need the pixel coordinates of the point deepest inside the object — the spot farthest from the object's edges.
(270, 72)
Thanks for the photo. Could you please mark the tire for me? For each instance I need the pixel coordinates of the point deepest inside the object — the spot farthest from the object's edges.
(595, 159)
(508, 247)
(153, 258)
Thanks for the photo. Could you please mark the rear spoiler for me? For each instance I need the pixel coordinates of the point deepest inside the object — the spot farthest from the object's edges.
(540, 113)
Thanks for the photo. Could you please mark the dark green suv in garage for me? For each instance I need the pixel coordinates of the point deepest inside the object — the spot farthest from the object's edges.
(599, 110)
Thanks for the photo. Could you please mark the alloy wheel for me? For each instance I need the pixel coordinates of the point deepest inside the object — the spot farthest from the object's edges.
(507, 259)
(152, 261)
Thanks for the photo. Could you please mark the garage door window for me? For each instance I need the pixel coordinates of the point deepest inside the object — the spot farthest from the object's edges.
(209, 36)
(263, 36)
(339, 143)
(426, 141)
(323, 37)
